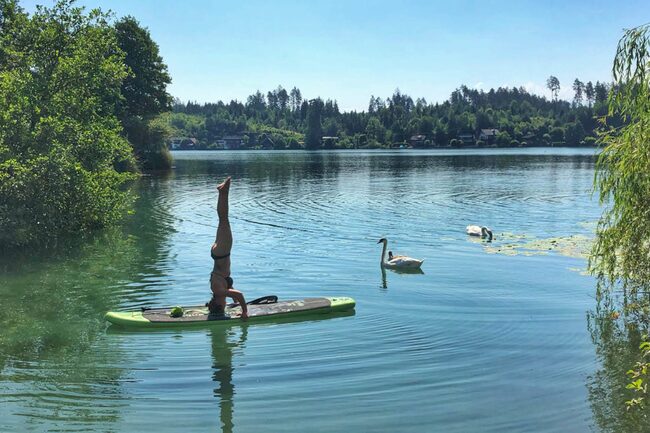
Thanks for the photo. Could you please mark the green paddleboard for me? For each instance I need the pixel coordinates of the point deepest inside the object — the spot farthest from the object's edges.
(199, 315)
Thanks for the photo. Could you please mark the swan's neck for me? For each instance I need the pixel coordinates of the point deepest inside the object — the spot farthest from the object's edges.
(383, 253)
(486, 233)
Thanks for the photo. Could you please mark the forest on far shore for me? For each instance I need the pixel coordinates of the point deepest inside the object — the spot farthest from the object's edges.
(503, 117)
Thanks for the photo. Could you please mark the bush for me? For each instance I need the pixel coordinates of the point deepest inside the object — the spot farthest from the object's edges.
(61, 148)
(293, 144)
(345, 142)
(503, 139)
(149, 139)
(279, 142)
(54, 195)
(557, 134)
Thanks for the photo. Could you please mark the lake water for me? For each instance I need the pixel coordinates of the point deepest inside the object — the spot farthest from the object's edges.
(480, 342)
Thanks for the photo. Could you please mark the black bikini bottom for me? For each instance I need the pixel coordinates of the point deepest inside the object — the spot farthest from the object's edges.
(229, 280)
(215, 258)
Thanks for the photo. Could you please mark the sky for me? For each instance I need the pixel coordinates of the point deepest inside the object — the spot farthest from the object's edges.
(350, 50)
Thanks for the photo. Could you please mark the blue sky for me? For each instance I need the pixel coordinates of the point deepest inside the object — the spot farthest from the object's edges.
(349, 50)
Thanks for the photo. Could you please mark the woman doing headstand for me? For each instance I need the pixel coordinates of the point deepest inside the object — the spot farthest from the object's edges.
(220, 280)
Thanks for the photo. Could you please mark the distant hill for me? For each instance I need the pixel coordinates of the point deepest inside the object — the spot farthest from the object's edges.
(504, 117)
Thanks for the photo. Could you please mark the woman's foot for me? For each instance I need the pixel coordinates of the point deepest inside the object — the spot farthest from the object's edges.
(225, 185)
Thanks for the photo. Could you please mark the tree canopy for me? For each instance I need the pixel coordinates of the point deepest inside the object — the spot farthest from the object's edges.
(144, 94)
(144, 89)
(64, 157)
(621, 253)
(622, 249)
(517, 117)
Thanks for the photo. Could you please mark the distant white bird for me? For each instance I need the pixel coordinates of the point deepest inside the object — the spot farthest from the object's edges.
(483, 232)
(397, 262)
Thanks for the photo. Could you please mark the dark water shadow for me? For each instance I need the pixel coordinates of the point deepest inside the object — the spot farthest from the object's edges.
(384, 279)
(616, 341)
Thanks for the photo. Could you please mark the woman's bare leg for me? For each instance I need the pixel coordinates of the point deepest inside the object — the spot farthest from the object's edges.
(220, 284)
(223, 243)
(221, 253)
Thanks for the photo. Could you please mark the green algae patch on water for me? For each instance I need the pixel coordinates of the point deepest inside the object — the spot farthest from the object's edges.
(575, 246)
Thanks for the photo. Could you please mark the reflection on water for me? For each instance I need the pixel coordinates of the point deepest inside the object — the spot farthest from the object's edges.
(57, 368)
(471, 344)
(228, 343)
(384, 279)
(222, 352)
(55, 364)
(617, 348)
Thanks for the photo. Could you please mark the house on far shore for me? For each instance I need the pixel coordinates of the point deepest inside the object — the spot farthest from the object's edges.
(232, 142)
(467, 139)
(488, 135)
(182, 143)
(418, 140)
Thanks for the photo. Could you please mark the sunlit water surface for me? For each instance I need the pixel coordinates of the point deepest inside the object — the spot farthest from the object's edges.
(479, 342)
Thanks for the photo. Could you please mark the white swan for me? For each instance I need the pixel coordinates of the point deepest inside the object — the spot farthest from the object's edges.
(483, 232)
(397, 262)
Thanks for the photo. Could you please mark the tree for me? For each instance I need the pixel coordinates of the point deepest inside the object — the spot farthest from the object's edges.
(331, 127)
(425, 125)
(256, 104)
(314, 127)
(578, 88)
(295, 99)
(557, 135)
(145, 96)
(553, 85)
(283, 98)
(574, 133)
(11, 17)
(61, 148)
(621, 252)
(272, 100)
(600, 91)
(375, 130)
(589, 93)
(145, 88)
(622, 243)
(503, 139)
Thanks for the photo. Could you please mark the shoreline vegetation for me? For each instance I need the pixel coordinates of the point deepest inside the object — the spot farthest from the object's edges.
(470, 118)
(80, 98)
(620, 256)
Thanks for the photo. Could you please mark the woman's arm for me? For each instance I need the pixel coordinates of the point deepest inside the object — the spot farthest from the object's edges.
(239, 298)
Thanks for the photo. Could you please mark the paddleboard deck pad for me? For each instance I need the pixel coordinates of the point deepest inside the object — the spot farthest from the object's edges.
(199, 315)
